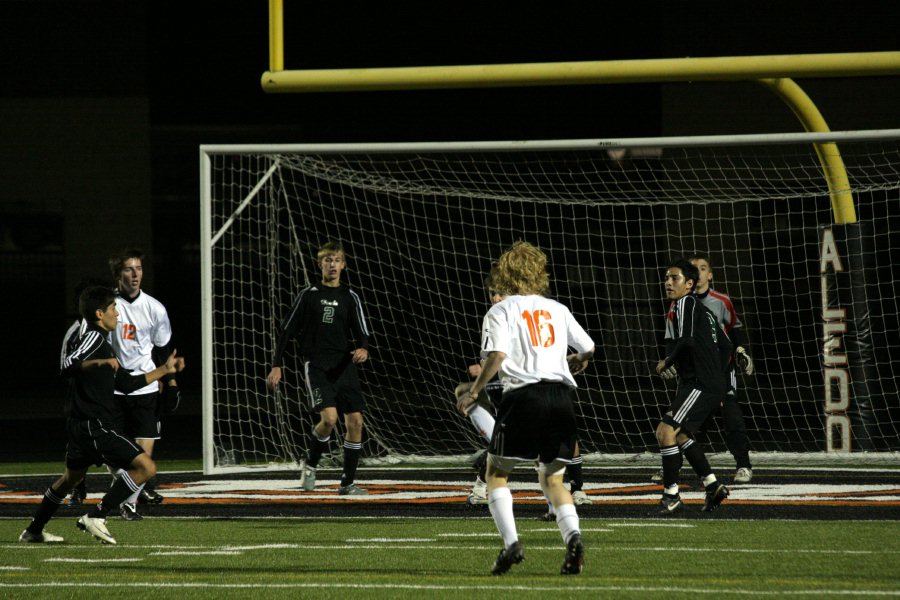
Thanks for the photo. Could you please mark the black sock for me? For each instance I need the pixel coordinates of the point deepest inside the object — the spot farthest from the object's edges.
(49, 505)
(573, 470)
(317, 446)
(351, 461)
(117, 494)
(696, 458)
(671, 462)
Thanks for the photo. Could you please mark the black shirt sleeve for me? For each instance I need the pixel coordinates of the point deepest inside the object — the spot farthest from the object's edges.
(289, 328)
(358, 325)
(127, 383)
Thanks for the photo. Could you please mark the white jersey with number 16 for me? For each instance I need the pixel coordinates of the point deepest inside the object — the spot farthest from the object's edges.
(535, 333)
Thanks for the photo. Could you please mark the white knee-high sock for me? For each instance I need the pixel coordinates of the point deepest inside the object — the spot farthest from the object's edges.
(567, 521)
(132, 499)
(501, 505)
(483, 422)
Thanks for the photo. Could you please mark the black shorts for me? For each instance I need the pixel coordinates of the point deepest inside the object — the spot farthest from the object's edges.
(536, 422)
(691, 408)
(338, 387)
(95, 443)
(141, 420)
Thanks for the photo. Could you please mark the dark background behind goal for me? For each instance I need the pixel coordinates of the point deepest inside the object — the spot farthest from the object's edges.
(103, 106)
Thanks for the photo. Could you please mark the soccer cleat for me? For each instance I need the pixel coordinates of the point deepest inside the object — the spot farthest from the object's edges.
(43, 537)
(478, 495)
(352, 490)
(307, 478)
(670, 504)
(574, 556)
(149, 496)
(507, 558)
(96, 526)
(743, 475)
(715, 494)
(547, 517)
(580, 498)
(657, 477)
(129, 512)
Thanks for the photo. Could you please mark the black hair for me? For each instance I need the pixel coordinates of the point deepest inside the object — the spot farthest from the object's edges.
(95, 298)
(687, 269)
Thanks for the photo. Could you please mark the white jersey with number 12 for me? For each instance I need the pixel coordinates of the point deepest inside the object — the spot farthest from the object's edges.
(143, 324)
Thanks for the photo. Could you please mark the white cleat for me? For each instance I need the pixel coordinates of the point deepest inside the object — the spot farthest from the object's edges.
(96, 526)
(580, 498)
(743, 475)
(45, 537)
(307, 478)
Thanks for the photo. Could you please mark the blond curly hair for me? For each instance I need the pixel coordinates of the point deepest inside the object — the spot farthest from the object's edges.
(522, 271)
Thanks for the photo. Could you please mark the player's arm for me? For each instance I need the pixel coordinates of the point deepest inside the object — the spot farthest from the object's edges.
(79, 358)
(669, 372)
(578, 361)
(741, 355)
(359, 329)
(289, 328)
(683, 340)
(127, 383)
(581, 342)
(170, 393)
(489, 369)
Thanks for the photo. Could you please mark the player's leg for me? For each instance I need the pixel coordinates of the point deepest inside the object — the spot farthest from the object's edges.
(736, 439)
(136, 467)
(352, 449)
(141, 422)
(50, 503)
(671, 466)
(511, 441)
(321, 393)
(501, 506)
(690, 417)
(558, 446)
(481, 416)
(575, 475)
(351, 404)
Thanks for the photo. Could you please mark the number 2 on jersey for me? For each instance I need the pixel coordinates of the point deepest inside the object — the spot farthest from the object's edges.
(128, 331)
(541, 334)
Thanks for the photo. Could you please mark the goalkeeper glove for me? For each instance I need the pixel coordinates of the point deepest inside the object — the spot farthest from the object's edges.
(171, 399)
(670, 373)
(743, 360)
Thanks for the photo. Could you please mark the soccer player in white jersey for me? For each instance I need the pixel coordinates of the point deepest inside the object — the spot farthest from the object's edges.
(481, 414)
(526, 338)
(141, 341)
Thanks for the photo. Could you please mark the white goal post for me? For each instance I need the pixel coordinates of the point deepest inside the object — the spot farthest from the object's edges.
(421, 223)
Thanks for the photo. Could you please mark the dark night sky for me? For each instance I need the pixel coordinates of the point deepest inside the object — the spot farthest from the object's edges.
(198, 65)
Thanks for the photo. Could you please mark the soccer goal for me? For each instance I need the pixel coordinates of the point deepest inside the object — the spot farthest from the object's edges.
(422, 222)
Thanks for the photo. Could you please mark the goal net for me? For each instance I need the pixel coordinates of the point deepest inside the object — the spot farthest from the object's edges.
(422, 223)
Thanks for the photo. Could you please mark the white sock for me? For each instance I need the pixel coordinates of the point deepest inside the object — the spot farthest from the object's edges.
(711, 478)
(567, 521)
(501, 505)
(133, 498)
(672, 490)
(483, 422)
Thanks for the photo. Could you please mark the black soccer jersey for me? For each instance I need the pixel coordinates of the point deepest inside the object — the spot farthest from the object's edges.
(91, 391)
(700, 349)
(329, 324)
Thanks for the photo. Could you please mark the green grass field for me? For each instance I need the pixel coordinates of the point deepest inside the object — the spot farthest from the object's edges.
(451, 558)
